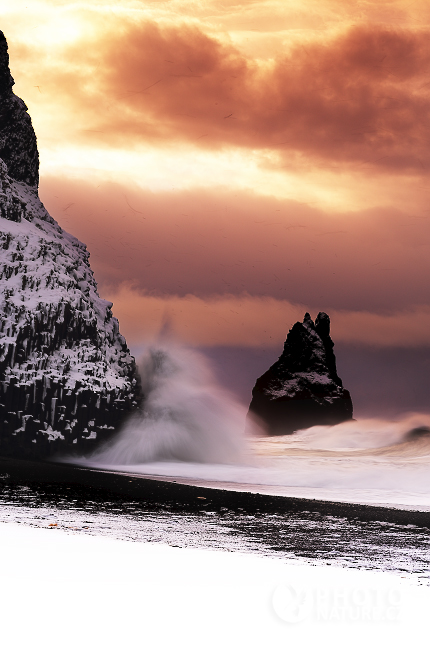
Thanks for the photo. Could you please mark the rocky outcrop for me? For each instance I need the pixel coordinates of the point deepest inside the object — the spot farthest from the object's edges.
(302, 388)
(67, 379)
(18, 145)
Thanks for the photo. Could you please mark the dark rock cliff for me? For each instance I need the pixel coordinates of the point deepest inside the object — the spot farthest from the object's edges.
(67, 379)
(18, 145)
(302, 388)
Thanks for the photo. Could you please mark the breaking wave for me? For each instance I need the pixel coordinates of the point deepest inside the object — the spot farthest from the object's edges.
(407, 435)
(185, 415)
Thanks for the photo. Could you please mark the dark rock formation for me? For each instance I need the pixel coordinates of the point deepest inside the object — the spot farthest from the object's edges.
(66, 376)
(302, 388)
(18, 145)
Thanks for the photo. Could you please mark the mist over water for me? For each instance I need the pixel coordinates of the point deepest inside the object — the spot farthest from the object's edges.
(369, 460)
(190, 428)
(186, 416)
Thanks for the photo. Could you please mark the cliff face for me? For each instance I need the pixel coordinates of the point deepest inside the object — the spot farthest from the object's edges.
(66, 376)
(302, 388)
(18, 145)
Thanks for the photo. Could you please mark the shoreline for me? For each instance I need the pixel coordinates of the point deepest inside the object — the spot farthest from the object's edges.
(197, 497)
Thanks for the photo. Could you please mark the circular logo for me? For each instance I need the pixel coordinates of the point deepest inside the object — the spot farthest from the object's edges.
(291, 604)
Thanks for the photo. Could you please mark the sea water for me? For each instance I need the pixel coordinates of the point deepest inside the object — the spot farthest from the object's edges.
(192, 430)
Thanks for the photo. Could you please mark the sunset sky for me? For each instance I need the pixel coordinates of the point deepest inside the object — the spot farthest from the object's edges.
(233, 165)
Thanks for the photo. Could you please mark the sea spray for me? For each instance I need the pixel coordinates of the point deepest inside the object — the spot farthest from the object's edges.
(185, 415)
(367, 434)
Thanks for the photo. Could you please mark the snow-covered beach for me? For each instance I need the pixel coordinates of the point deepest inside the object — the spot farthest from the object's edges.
(79, 588)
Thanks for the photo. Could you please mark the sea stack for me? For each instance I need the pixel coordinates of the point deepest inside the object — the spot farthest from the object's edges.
(67, 378)
(302, 389)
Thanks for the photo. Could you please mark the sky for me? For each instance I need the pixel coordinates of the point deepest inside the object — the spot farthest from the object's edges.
(232, 165)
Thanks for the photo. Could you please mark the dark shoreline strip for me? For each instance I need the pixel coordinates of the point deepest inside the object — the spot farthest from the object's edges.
(196, 498)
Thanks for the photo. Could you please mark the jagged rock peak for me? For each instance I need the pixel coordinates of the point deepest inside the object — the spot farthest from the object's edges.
(303, 350)
(18, 145)
(302, 388)
(6, 80)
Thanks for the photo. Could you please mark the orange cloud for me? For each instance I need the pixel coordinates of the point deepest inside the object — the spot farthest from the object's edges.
(208, 243)
(245, 321)
(360, 97)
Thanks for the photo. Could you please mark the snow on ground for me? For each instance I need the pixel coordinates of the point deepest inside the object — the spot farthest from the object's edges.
(57, 587)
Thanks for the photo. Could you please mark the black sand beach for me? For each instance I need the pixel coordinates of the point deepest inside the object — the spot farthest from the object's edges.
(128, 507)
(193, 498)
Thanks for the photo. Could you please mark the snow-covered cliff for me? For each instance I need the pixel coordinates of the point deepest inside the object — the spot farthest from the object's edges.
(302, 388)
(67, 378)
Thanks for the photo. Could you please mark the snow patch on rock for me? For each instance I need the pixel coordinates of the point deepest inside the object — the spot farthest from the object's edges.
(66, 375)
